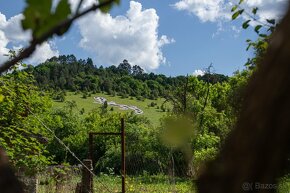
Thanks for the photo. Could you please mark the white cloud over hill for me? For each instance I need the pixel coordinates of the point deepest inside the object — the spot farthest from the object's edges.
(133, 36)
(12, 35)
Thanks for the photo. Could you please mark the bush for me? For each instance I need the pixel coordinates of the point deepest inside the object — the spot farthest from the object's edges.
(84, 95)
(82, 111)
(140, 98)
(152, 104)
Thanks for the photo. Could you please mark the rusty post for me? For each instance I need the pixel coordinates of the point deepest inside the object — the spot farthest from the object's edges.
(123, 155)
(123, 163)
(87, 177)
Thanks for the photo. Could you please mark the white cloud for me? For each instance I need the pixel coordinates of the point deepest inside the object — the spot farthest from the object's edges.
(3, 49)
(205, 10)
(12, 36)
(133, 36)
(217, 10)
(13, 30)
(268, 9)
(165, 40)
(42, 53)
(198, 73)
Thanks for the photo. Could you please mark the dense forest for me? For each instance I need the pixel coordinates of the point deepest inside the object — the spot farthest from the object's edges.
(205, 107)
(68, 73)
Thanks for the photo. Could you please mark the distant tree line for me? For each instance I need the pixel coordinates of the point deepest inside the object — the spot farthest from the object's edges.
(68, 73)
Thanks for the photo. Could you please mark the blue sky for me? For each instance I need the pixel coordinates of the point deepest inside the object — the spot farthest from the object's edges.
(173, 37)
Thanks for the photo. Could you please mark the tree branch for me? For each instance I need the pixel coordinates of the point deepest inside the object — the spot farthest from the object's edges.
(31, 48)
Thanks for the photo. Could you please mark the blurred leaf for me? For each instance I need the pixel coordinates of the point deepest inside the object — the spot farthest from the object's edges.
(249, 46)
(246, 24)
(271, 29)
(40, 19)
(36, 12)
(178, 130)
(234, 8)
(62, 11)
(237, 13)
(254, 11)
(257, 28)
(107, 8)
(241, 1)
(263, 35)
(271, 21)
(1, 98)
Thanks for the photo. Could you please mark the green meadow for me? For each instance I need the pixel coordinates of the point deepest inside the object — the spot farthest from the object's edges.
(88, 104)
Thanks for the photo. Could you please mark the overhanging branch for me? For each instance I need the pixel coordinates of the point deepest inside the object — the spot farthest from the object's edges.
(31, 48)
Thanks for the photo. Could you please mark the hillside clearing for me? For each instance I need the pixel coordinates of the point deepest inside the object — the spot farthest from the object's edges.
(152, 113)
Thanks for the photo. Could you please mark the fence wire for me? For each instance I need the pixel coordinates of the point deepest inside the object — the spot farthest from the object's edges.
(155, 174)
(104, 187)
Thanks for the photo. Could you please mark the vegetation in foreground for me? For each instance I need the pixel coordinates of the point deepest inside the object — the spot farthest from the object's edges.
(201, 116)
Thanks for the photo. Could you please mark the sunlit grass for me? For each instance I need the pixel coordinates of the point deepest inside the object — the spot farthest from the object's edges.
(152, 113)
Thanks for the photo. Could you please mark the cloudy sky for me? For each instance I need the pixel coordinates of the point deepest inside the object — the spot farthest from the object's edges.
(172, 37)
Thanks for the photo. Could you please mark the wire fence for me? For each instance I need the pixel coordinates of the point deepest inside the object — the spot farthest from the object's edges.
(144, 172)
(156, 173)
(59, 179)
(149, 173)
(63, 145)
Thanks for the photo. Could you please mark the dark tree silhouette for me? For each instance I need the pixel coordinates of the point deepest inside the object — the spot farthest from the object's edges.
(8, 181)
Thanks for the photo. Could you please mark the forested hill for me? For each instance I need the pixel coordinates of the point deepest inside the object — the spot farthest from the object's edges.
(68, 73)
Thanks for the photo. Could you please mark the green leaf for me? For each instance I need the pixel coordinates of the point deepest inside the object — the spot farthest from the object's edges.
(271, 21)
(254, 11)
(62, 11)
(257, 28)
(263, 35)
(36, 12)
(271, 29)
(248, 47)
(237, 13)
(24, 65)
(1, 98)
(38, 16)
(107, 8)
(246, 24)
(234, 8)
(241, 1)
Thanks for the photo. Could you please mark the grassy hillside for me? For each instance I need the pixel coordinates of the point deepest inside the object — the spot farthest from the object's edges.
(152, 113)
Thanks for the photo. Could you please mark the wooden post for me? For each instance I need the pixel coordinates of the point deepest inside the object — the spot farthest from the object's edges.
(87, 177)
(123, 155)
